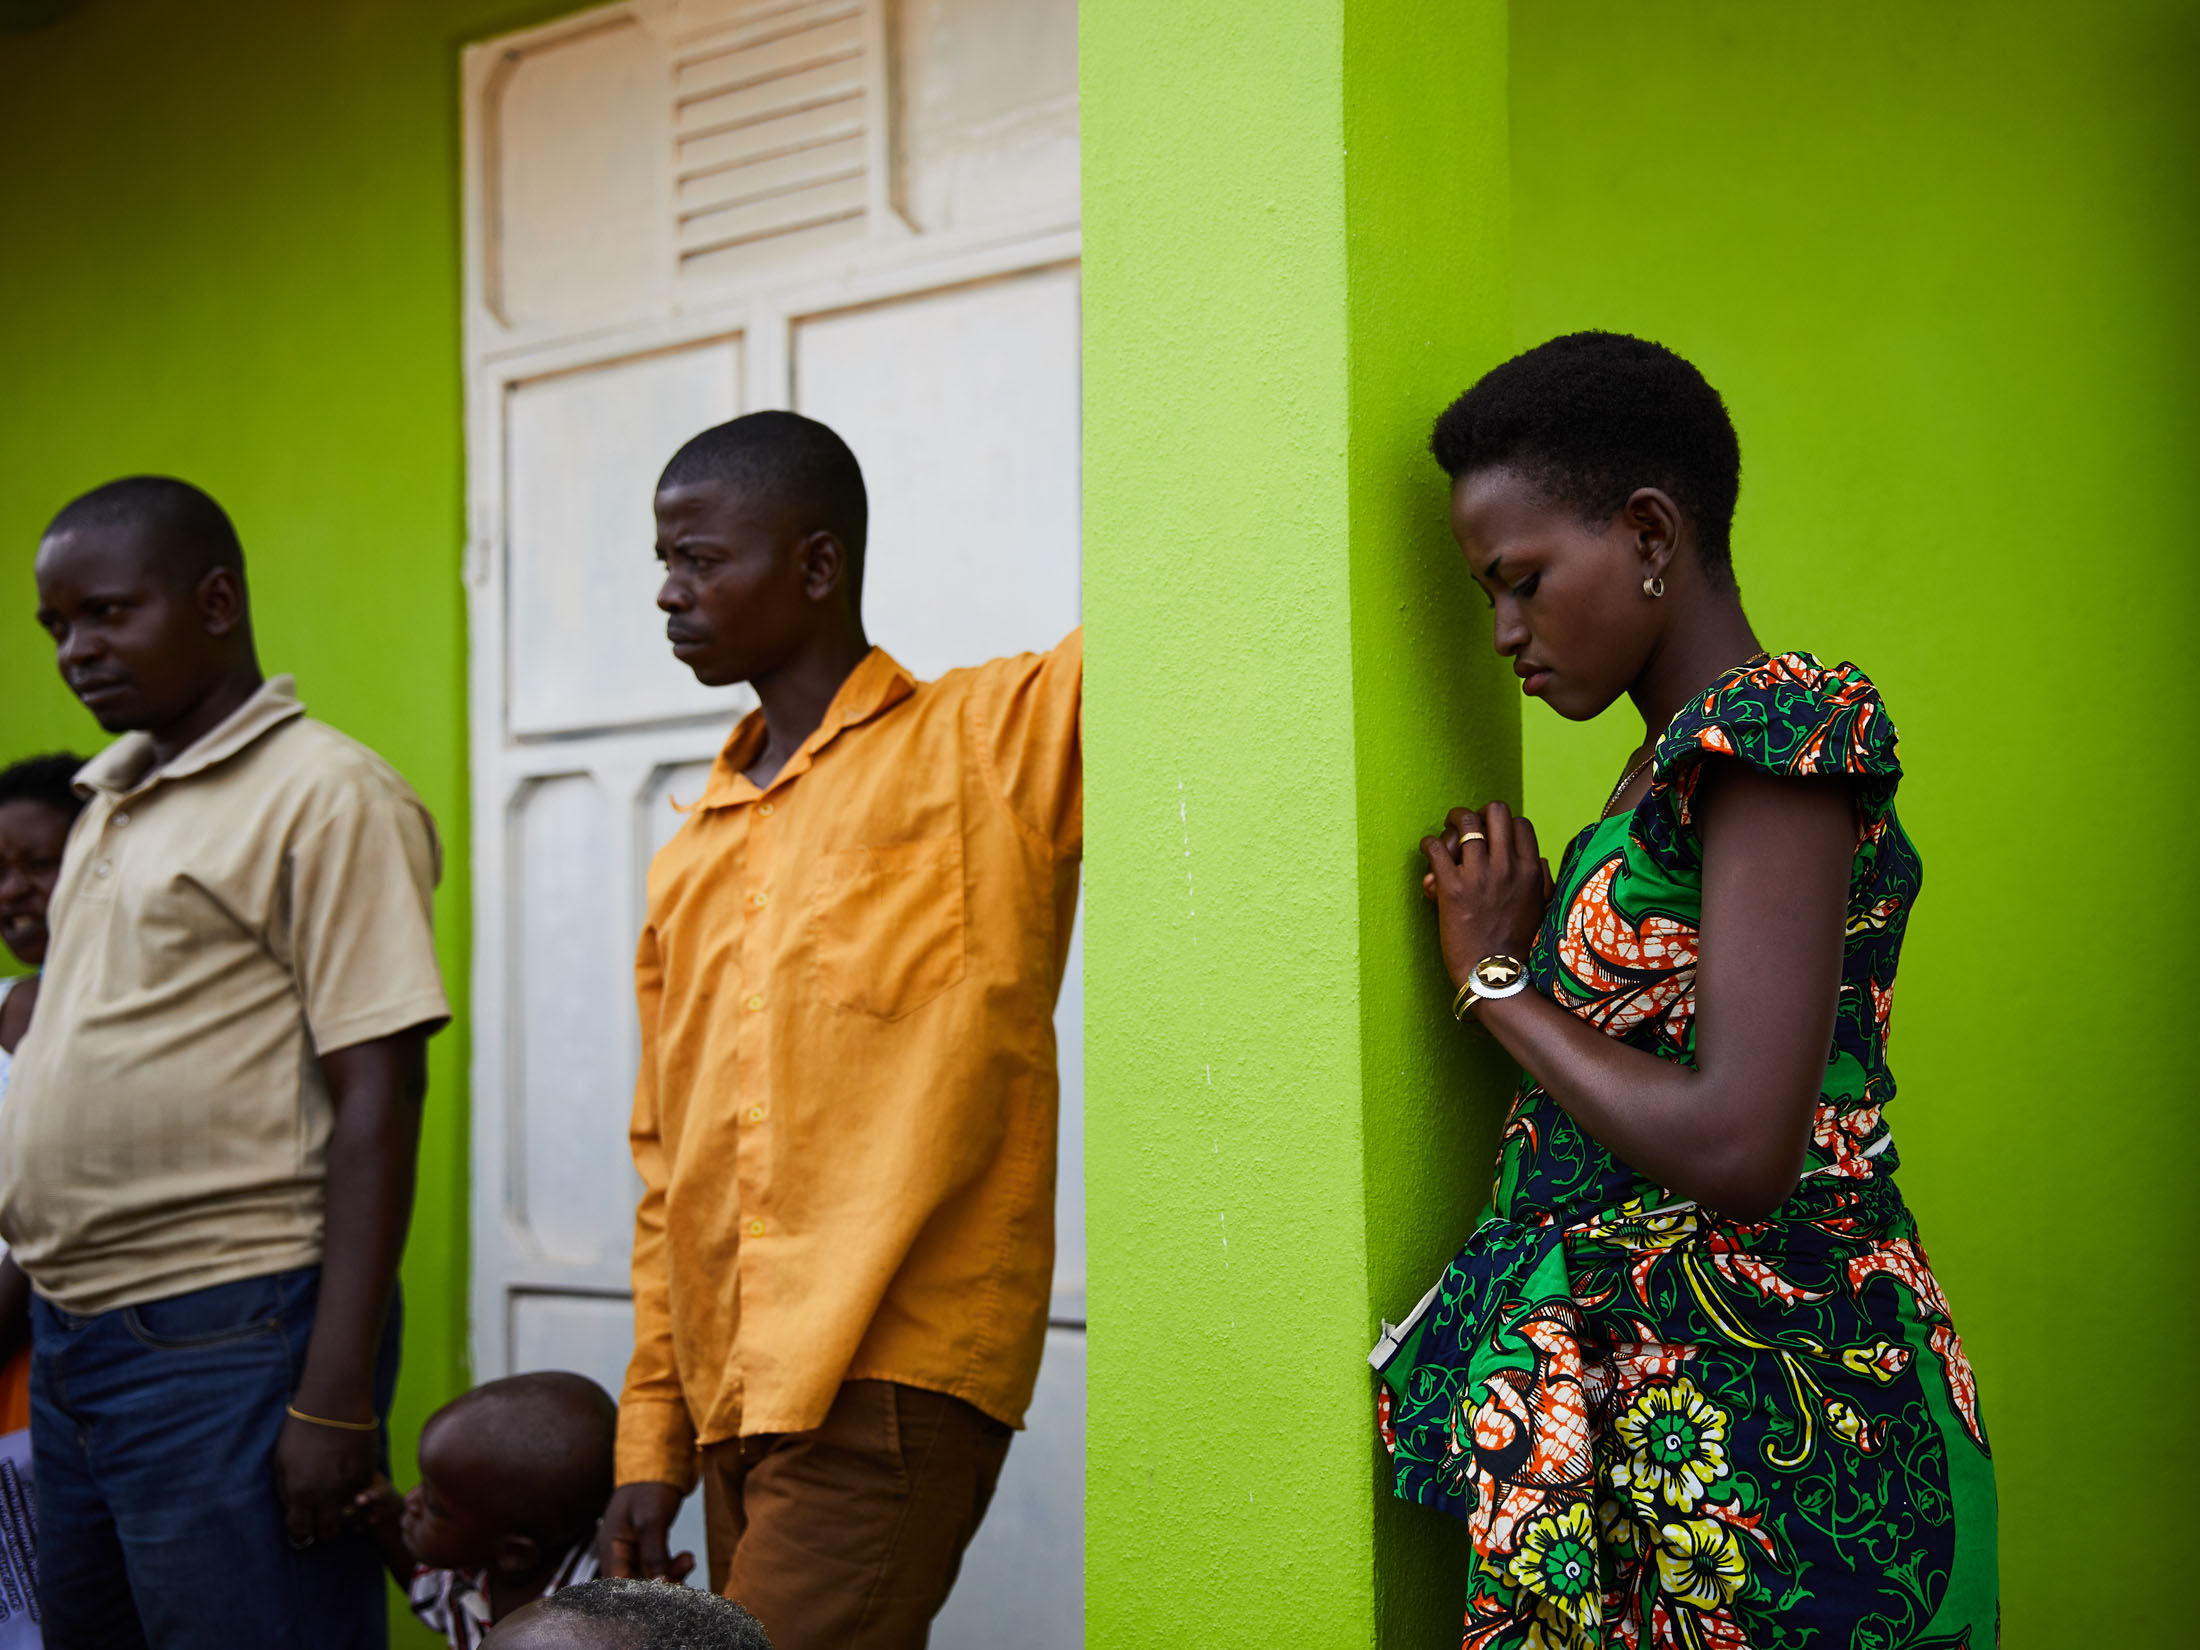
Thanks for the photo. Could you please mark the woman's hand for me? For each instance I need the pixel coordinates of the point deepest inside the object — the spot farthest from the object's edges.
(1730, 1127)
(1490, 885)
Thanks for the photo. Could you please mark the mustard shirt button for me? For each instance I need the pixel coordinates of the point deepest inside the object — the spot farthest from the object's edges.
(754, 1002)
(764, 809)
(756, 1228)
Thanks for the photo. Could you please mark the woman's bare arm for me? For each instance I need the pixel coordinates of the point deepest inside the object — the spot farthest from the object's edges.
(1730, 1134)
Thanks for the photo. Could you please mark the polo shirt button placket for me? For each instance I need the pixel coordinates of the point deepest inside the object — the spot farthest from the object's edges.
(115, 822)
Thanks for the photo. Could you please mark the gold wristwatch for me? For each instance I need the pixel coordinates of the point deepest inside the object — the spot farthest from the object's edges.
(1493, 978)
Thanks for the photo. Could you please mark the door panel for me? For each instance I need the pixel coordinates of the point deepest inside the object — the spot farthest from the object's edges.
(587, 643)
(571, 1037)
(573, 193)
(963, 407)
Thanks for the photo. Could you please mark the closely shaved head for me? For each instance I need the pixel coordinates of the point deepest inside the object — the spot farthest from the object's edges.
(532, 1451)
(141, 587)
(794, 467)
(760, 527)
(182, 530)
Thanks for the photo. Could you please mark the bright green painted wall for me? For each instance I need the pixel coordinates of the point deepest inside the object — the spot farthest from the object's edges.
(1293, 244)
(1942, 262)
(232, 254)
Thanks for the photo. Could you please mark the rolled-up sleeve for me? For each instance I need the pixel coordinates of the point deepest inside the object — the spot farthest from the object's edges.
(1032, 740)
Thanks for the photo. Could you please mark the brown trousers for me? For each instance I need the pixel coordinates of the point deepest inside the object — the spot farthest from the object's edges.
(849, 1537)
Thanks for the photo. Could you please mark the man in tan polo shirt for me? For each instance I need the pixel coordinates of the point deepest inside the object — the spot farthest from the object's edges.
(206, 1152)
(845, 1119)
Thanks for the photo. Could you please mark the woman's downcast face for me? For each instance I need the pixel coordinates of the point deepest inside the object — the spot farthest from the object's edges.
(1569, 606)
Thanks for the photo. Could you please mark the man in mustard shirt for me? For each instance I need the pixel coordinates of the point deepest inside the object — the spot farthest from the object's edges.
(846, 1111)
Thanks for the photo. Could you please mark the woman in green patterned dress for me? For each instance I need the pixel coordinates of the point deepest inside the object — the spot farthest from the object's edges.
(1691, 1382)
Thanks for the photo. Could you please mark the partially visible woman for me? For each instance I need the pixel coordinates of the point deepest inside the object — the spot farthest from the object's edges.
(1691, 1382)
(37, 807)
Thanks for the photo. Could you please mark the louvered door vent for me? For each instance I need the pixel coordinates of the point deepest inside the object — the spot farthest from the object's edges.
(771, 129)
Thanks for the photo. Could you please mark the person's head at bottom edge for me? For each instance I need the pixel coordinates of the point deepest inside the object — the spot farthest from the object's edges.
(628, 1615)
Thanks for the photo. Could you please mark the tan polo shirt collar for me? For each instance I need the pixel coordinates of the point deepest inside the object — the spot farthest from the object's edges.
(127, 764)
(875, 686)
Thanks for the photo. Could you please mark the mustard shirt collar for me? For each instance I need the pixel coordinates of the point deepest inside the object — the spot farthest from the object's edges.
(877, 684)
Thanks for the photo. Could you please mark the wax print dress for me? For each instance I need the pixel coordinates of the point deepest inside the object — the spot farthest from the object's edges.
(1663, 1427)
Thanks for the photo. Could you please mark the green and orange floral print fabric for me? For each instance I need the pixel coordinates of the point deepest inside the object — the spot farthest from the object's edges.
(1669, 1429)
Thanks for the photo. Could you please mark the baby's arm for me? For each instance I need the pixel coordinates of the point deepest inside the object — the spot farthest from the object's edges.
(382, 1509)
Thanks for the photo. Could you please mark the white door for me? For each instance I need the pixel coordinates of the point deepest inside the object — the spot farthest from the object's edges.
(676, 212)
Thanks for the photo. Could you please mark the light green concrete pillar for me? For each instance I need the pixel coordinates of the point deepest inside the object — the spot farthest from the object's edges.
(1294, 255)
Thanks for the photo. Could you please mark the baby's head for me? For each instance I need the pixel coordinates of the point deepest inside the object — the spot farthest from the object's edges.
(512, 1474)
(628, 1615)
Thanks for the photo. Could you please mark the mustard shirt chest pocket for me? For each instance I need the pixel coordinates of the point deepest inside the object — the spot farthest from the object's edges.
(888, 925)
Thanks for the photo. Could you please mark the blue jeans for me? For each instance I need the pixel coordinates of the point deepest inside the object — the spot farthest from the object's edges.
(153, 1431)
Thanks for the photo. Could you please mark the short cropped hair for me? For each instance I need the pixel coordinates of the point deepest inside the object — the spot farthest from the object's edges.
(190, 532)
(44, 779)
(796, 463)
(1589, 418)
(661, 1616)
(550, 1436)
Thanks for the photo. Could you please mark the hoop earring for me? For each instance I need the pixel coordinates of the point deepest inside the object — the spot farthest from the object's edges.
(1653, 588)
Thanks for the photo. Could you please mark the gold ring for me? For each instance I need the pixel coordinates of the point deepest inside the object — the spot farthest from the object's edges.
(1472, 836)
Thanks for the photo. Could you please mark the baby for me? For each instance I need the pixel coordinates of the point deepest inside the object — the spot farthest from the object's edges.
(629, 1615)
(513, 1477)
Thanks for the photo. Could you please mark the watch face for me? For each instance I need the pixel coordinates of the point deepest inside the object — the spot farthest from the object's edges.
(1499, 972)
